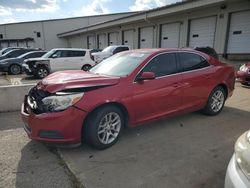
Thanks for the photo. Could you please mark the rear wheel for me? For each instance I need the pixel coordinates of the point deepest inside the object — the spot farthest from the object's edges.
(104, 126)
(86, 67)
(215, 102)
(15, 69)
(41, 72)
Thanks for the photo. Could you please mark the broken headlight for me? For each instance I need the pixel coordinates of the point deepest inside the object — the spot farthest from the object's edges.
(61, 101)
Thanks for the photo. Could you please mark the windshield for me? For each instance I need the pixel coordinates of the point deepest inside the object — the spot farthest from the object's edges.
(48, 54)
(109, 49)
(121, 64)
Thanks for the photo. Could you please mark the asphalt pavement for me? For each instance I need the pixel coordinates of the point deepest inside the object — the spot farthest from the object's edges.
(187, 151)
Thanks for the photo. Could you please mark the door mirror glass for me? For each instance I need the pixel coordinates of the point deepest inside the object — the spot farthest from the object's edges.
(147, 76)
(54, 56)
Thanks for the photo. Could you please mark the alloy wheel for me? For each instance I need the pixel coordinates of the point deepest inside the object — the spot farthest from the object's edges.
(217, 101)
(109, 128)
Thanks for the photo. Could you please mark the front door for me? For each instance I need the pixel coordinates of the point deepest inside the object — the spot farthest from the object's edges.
(162, 95)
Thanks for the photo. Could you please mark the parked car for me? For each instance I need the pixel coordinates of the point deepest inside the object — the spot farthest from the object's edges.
(238, 170)
(14, 65)
(59, 59)
(5, 50)
(243, 75)
(109, 51)
(127, 89)
(16, 53)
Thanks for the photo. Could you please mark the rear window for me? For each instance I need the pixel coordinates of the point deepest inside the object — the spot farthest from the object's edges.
(190, 61)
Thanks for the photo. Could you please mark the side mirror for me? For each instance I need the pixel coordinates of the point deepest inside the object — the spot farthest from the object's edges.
(54, 56)
(146, 76)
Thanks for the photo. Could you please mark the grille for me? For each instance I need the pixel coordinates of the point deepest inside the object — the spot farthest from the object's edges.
(35, 98)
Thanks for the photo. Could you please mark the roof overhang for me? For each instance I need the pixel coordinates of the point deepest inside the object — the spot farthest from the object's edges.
(145, 15)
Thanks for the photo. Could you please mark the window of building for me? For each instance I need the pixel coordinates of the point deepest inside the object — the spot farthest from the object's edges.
(38, 34)
(1, 36)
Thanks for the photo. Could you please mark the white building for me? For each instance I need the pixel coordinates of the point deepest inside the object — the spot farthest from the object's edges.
(222, 24)
(43, 34)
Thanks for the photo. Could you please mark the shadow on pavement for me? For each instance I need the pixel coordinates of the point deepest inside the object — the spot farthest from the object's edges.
(38, 167)
(189, 151)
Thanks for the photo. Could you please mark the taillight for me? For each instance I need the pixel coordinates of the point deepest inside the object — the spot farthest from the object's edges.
(91, 56)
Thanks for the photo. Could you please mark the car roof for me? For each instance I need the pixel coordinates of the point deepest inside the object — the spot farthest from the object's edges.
(77, 49)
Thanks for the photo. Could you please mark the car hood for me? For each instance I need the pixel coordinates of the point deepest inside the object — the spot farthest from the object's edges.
(74, 79)
(36, 59)
(101, 54)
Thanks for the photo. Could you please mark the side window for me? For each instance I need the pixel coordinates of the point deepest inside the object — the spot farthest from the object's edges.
(120, 49)
(60, 54)
(191, 61)
(17, 53)
(162, 65)
(76, 53)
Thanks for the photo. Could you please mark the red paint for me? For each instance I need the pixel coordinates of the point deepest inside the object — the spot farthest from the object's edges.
(144, 101)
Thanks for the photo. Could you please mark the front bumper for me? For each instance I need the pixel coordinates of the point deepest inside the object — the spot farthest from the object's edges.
(58, 128)
(243, 77)
(235, 177)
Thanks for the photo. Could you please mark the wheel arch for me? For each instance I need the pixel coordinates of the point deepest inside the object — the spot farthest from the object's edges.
(117, 104)
(224, 86)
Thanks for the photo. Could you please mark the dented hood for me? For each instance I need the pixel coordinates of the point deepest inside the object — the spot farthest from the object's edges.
(63, 80)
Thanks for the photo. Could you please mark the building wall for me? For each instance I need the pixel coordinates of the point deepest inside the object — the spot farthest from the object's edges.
(50, 28)
(221, 12)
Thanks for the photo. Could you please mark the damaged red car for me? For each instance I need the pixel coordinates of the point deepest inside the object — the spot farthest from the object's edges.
(125, 90)
(243, 74)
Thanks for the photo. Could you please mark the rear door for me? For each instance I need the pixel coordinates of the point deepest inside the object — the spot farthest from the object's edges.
(197, 79)
(76, 59)
(161, 96)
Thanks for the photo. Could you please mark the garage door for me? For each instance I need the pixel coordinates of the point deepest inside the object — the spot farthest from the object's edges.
(113, 38)
(146, 37)
(91, 41)
(170, 34)
(102, 41)
(128, 38)
(239, 33)
(202, 32)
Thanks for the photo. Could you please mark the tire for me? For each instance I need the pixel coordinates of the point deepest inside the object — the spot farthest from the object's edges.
(215, 101)
(15, 69)
(86, 67)
(98, 122)
(41, 72)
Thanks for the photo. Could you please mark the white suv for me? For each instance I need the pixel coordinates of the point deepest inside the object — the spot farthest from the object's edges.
(109, 51)
(59, 59)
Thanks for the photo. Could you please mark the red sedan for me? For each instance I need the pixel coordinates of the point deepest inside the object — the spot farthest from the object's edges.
(244, 74)
(125, 90)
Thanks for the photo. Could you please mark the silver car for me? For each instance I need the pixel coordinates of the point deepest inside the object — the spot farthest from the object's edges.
(238, 171)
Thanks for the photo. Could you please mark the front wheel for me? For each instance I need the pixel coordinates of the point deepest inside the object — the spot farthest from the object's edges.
(41, 72)
(215, 101)
(86, 67)
(15, 69)
(104, 126)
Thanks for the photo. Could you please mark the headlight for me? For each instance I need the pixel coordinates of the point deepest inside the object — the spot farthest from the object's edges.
(242, 153)
(61, 101)
(244, 68)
